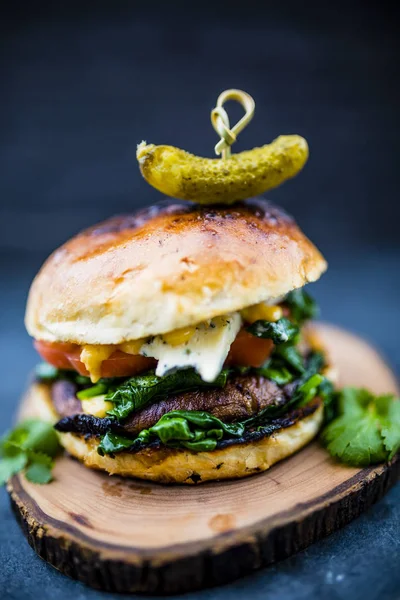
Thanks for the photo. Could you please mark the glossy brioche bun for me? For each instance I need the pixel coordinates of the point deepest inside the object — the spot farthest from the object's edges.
(168, 465)
(166, 267)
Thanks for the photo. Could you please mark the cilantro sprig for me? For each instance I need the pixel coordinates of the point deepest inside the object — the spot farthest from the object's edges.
(31, 447)
(366, 429)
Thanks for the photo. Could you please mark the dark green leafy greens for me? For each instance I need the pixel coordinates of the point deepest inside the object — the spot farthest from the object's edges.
(302, 306)
(45, 373)
(278, 373)
(140, 390)
(280, 332)
(289, 356)
(307, 387)
(31, 445)
(366, 429)
(195, 430)
(200, 431)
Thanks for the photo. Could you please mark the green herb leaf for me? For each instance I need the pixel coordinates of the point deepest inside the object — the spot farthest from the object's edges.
(366, 430)
(39, 469)
(32, 442)
(391, 423)
(280, 332)
(138, 391)
(10, 465)
(302, 306)
(40, 437)
(38, 473)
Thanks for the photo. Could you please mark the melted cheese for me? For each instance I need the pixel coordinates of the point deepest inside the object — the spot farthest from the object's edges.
(97, 406)
(262, 311)
(92, 356)
(203, 347)
(205, 350)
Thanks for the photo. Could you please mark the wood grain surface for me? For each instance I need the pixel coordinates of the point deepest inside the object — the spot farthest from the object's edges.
(126, 535)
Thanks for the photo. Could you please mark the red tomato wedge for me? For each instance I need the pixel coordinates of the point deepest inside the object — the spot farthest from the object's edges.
(246, 351)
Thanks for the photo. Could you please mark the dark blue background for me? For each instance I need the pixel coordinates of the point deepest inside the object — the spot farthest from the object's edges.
(82, 83)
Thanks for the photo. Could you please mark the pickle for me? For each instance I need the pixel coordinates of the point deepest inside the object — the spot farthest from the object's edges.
(177, 173)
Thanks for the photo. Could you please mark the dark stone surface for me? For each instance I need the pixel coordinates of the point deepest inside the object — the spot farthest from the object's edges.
(82, 84)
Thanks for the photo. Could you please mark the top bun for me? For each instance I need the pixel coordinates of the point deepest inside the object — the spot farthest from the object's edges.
(165, 267)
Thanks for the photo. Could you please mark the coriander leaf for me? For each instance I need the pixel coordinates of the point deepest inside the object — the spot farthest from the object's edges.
(10, 465)
(41, 437)
(356, 443)
(366, 430)
(39, 469)
(391, 426)
(38, 473)
(279, 332)
(30, 443)
(138, 391)
(302, 306)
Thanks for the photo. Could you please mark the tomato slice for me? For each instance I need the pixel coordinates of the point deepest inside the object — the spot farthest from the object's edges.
(67, 356)
(58, 354)
(248, 350)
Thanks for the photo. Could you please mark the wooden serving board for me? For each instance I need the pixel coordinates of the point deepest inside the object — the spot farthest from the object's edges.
(130, 536)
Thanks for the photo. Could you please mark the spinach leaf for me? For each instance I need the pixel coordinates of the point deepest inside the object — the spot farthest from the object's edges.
(138, 391)
(302, 306)
(189, 428)
(291, 356)
(195, 430)
(278, 373)
(308, 386)
(280, 332)
(200, 431)
(112, 443)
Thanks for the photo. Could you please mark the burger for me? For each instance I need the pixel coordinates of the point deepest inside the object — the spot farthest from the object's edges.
(177, 343)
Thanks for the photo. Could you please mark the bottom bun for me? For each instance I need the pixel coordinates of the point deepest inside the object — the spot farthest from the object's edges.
(170, 465)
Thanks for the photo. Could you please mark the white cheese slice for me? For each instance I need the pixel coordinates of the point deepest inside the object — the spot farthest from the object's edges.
(205, 351)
